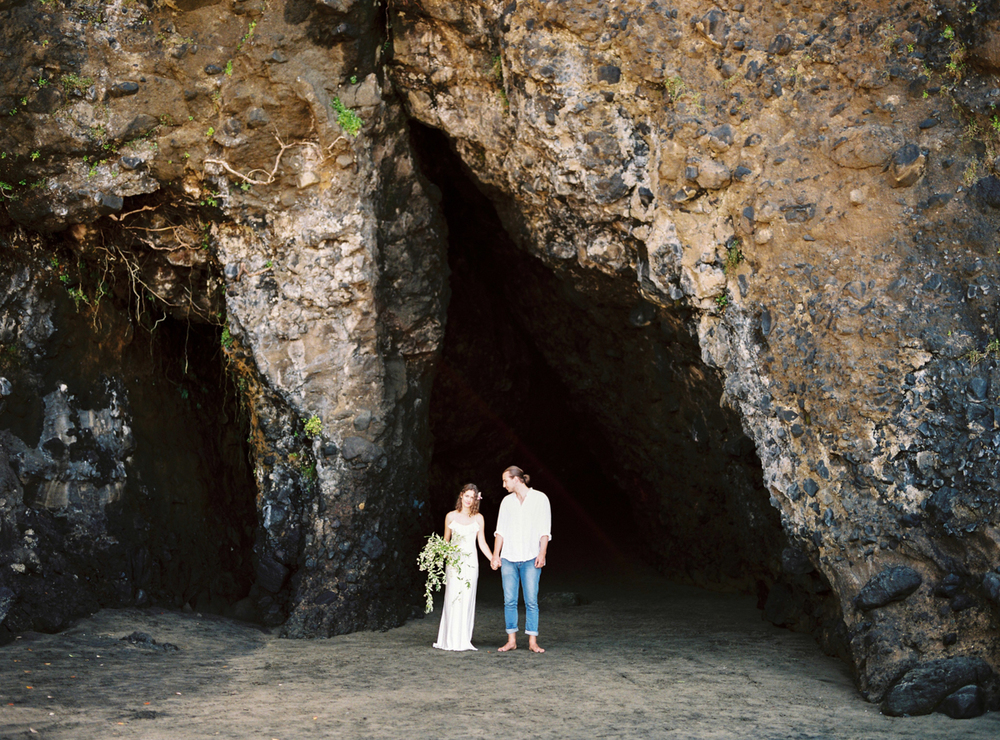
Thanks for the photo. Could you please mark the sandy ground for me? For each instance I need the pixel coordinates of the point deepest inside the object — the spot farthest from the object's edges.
(642, 659)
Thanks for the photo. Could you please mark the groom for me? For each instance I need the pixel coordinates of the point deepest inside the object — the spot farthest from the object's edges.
(522, 537)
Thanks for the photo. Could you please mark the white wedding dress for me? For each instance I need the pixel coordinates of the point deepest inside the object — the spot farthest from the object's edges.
(459, 611)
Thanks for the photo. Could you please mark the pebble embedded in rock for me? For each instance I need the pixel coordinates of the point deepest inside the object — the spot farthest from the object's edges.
(987, 191)
(713, 175)
(922, 689)
(610, 74)
(686, 193)
(908, 164)
(892, 584)
(780, 45)
(966, 703)
(308, 178)
(122, 89)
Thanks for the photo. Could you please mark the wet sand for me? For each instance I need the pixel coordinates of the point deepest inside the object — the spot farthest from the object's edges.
(643, 659)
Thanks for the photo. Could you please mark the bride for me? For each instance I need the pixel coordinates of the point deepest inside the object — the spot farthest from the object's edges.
(466, 525)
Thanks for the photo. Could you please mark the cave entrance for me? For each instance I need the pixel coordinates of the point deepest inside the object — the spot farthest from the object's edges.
(496, 402)
(195, 490)
(602, 397)
(131, 428)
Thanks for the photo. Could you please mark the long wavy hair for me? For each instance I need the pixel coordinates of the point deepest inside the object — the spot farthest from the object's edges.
(475, 504)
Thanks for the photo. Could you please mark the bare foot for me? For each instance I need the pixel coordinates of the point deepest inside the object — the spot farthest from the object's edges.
(533, 645)
(511, 645)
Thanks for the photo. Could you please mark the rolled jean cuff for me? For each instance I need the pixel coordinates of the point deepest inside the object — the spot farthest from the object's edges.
(512, 632)
(531, 634)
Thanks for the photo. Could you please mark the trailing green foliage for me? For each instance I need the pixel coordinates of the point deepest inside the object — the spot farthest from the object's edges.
(436, 556)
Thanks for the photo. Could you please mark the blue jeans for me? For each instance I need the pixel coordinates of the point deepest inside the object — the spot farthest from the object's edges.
(525, 575)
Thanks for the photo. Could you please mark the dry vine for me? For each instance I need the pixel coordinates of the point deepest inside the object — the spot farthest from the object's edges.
(271, 176)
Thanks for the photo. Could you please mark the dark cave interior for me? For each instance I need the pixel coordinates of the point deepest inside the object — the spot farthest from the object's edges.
(149, 408)
(496, 402)
(617, 420)
(605, 401)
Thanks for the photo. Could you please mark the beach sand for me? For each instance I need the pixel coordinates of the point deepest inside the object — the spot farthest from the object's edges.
(642, 658)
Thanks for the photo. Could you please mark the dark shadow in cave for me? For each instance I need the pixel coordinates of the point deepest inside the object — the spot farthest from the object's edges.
(195, 487)
(180, 531)
(496, 402)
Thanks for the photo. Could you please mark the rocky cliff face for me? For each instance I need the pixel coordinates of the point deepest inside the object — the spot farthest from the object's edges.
(755, 245)
(188, 165)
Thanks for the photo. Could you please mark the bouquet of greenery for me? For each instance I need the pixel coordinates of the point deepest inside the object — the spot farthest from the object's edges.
(434, 558)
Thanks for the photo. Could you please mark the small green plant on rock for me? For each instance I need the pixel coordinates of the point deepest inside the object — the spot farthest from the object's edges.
(313, 426)
(226, 339)
(309, 472)
(674, 86)
(734, 253)
(975, 356)
(971, 173)
(889, 37)
(75, 83)
(247, 36)
(78, 296)
(346, 118)
(956, 62)
(722, 300)
(10, 357)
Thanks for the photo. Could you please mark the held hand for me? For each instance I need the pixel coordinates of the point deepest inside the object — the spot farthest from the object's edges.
(495, 563)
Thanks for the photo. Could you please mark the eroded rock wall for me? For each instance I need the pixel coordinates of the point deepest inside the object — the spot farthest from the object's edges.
(245, 166)
(814, 182)
(124, 474)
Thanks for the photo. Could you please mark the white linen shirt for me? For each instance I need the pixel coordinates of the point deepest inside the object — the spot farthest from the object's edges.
(523, 524)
